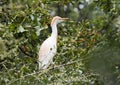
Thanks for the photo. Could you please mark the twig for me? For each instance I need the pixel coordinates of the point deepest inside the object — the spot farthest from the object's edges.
(3, 61)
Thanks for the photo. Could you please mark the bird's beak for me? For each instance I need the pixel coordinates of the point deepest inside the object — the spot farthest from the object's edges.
(64, 18)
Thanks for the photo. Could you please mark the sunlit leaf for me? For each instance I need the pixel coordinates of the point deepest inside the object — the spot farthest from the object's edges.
(21, 29)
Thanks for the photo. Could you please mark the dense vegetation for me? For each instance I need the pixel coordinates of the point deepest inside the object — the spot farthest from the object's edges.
(88, 44)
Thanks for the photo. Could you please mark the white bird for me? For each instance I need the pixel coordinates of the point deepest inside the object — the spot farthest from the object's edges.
(49, 47)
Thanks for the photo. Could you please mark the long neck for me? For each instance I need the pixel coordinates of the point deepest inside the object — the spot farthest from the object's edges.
(54, 31)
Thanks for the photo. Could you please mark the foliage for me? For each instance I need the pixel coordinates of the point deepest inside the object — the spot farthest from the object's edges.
(88, 44)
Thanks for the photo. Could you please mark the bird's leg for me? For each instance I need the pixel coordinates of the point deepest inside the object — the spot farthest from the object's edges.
(52, 63)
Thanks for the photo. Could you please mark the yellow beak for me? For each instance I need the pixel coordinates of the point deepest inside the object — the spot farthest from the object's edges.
(64, 18)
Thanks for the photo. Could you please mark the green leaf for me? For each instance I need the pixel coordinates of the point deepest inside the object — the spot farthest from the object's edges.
(32, 17)
(21, 29)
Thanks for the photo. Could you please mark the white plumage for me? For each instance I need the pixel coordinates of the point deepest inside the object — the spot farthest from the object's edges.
(49, 46)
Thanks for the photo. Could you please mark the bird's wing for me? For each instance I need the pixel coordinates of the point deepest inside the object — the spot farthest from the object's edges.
(46, 53)
(45, 49)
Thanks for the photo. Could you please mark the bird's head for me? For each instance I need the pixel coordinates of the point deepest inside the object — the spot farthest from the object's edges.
(57, 20)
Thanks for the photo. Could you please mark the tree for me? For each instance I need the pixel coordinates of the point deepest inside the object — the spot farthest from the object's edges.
(88, 44)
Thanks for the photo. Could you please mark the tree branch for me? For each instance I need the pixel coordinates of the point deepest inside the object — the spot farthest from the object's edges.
(44, 71)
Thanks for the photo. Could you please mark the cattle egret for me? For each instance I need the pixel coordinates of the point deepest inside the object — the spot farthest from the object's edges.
(49, 46)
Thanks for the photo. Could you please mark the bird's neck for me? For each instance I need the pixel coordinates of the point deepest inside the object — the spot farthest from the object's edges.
(54, 31)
